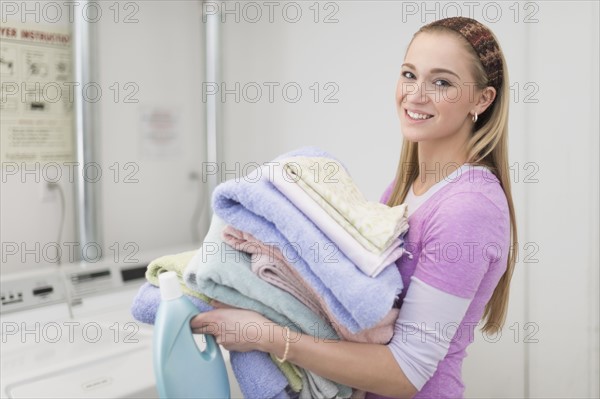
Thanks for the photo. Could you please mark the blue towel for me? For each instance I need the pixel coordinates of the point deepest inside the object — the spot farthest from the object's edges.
(255, 372)
(252, 204)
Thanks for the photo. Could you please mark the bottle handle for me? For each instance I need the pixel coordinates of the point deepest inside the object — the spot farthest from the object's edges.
(211, 349)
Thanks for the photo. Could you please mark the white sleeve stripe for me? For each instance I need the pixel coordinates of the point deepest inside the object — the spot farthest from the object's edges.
(428, 320)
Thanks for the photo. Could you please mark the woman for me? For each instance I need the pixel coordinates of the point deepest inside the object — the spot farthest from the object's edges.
(452, 101)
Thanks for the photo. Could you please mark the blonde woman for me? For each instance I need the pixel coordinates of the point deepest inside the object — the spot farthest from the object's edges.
(452, 101)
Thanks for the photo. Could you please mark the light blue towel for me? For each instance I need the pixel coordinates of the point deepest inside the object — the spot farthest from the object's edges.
(252, 204)
(255, 372)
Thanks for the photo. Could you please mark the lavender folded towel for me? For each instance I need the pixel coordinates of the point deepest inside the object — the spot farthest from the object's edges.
(254, 205)
(255, 372)
(146, 302)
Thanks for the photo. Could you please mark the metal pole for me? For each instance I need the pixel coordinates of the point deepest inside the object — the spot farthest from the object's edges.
(85, 186)
(212, 21)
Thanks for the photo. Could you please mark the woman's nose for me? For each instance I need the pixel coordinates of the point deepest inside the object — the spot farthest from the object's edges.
(414, 92)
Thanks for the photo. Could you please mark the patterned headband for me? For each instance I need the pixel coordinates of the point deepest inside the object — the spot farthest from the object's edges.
(482, 41)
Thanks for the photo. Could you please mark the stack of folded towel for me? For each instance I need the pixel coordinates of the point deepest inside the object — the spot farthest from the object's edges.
(296, 242)
(368, 233)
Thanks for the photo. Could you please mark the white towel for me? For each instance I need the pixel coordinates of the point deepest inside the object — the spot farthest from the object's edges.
(368, 262)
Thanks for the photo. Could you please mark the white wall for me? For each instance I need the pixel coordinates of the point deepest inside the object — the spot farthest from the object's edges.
(562, 138)
(549, 347)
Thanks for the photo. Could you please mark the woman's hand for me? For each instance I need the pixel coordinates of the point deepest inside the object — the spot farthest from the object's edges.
(235, 329)
(368, 367)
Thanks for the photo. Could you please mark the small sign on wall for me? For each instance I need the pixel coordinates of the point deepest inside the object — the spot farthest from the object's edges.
(160, 132)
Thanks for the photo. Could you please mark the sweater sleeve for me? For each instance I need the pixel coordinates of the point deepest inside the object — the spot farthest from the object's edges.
(427, 322)
(463, 236)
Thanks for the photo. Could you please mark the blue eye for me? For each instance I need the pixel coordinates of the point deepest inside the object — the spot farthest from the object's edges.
(443, 84)
(408, 73)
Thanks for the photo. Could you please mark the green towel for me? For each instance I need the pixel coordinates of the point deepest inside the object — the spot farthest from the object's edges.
(176, 263)
(291, 373)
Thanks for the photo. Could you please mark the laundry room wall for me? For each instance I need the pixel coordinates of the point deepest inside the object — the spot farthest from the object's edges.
(148, 140)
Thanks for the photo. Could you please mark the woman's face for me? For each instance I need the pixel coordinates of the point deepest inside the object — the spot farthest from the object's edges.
(436, 89)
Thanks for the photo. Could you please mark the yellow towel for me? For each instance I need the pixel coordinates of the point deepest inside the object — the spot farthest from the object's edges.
(176, 263)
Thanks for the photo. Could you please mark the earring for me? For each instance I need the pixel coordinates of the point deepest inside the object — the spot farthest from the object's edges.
(475, 117)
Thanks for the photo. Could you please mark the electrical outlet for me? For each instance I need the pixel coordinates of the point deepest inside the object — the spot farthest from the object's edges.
(48, 193)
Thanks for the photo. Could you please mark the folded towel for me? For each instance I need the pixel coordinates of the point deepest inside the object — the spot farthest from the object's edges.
(255, 372)
(363, 254)
(258, 376)
(146, 301)
(373, 224)
(254, 205)
(269, 264)
(176, 263)
(315, 387)
(223, 273)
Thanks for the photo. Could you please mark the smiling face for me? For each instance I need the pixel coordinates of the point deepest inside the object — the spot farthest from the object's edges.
(436, 90)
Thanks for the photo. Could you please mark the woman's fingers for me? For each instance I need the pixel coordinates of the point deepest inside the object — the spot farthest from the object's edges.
(234, 329)
(220, 305)
(204, 323)
(211, 329)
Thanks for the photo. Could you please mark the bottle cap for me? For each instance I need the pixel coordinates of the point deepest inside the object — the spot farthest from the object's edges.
(169, 286)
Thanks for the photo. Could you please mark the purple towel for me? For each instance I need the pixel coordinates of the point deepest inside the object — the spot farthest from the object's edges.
(255, 372)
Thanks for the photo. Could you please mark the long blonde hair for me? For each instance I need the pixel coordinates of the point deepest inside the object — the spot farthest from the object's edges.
(488, 146)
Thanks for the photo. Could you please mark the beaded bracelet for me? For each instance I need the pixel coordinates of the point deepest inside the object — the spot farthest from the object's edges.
(287, 345)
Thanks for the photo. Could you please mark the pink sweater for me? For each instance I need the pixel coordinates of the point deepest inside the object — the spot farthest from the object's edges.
(459, 238)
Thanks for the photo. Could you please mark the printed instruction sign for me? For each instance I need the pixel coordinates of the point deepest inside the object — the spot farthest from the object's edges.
(36, 94)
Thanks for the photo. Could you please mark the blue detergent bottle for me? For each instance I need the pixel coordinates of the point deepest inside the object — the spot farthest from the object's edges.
(181, 369)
